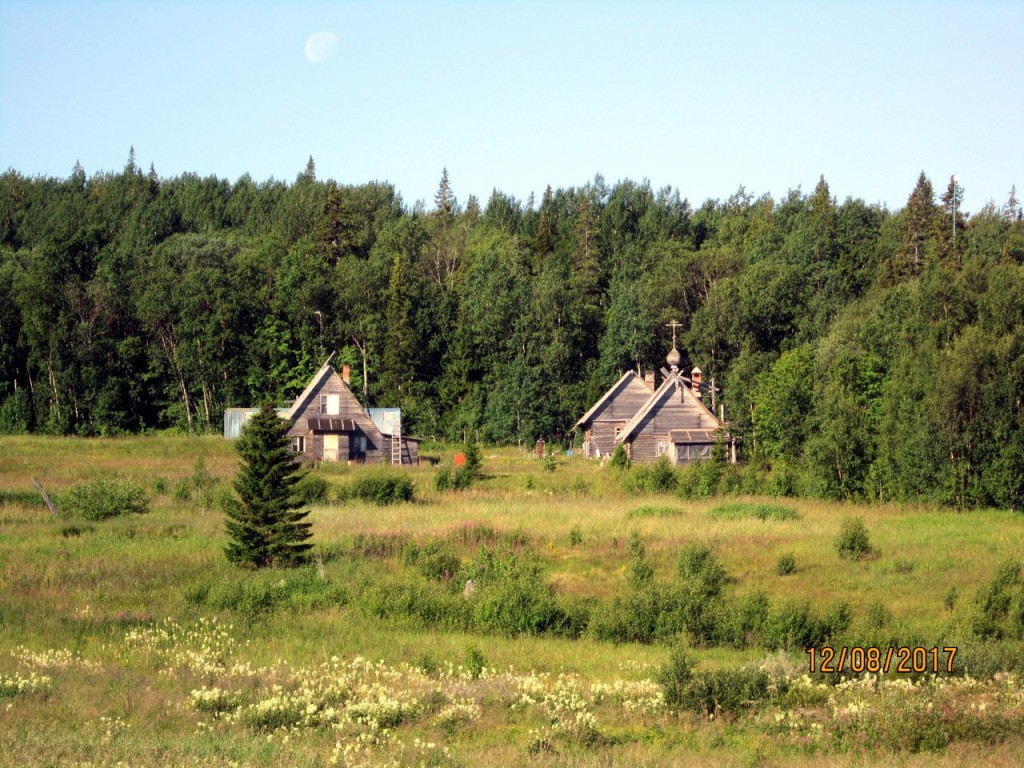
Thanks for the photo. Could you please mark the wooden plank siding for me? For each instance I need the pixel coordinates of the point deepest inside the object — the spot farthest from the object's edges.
(611, 413)
(603, 435)
(673, 407)
(349, 408)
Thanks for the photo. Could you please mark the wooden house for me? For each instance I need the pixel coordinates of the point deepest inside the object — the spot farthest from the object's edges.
(674, 422)
(328, 423)
(671, 421)
(603, 423)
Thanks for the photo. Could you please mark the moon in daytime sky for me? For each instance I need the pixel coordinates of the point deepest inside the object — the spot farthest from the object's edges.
(320, 46)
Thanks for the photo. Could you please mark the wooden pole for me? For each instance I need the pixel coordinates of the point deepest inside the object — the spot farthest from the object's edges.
(46, 499)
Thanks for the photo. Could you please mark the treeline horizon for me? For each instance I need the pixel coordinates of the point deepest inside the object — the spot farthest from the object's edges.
(868, 353)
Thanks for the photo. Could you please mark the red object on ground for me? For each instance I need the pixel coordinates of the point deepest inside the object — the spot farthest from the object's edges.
(460, 459)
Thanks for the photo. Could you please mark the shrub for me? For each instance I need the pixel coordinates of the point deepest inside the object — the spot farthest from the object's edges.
(999, 604)
(700, 479)
(444, 479)
(575, 536)
(198, 487)
(782, 481)
(741, 622)
(104, 498)
(381, 487)
(512, 595)
(674, 678)
(793, 625)
(311, 489)
(464, 477)
(474, 461)
(659, 477)
(549, 462)
(725, 690)
(877, 615)
(573, 615)
(852, 542)
(786, 565)
(447, 480)
(950, 599)
(435, 559)
(253, 595)
(699, 567)
(619, 460)
(474, 661)
(416, 600)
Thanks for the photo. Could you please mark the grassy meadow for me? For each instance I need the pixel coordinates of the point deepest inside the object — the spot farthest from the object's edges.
(132, 640)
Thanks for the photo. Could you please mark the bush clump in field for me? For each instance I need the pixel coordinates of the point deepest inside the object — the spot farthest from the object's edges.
(311, 489)
(738, 510)
(575, 536)
(659, 477)
(512, 596)
(435, 559)
(457, 480)
(254, 595)
(786, 564)
(198, 487)
(852, 542)
(796, 625)
(999, 604)
(700, 480)
(104, 498)
(381, 487)
(674, 678)
(474, 459)
(620, 459)
(714, 691)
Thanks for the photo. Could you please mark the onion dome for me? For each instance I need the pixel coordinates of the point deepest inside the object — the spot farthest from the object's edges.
(674, 359)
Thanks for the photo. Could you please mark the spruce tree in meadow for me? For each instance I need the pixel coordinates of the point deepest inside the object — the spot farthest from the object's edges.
(266, 523)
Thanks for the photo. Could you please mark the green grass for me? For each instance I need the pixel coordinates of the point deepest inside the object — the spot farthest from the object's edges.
(85, 586)
(652, 510)
(738, 509)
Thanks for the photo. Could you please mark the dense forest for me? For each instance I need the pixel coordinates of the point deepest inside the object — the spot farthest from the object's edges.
(876, 354)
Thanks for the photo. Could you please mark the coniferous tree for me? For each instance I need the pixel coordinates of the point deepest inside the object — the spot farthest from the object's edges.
(918, 226)
(266, 524)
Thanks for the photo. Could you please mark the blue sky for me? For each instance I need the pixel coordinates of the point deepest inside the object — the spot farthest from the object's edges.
(517, 95)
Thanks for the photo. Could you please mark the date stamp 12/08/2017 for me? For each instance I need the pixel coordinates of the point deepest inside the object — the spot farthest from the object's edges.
(903, 659)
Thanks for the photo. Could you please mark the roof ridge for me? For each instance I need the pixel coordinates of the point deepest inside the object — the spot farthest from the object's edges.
(301, 399)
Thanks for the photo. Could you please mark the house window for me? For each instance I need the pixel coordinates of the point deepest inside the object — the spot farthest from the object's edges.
(662, 447)
(618, 431)
(298, 445)
(330, 405)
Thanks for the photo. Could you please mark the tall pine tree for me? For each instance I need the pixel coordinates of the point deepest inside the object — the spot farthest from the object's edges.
(266, 524)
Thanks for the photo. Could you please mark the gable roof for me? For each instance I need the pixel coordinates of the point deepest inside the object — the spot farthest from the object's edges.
(612, 391)
(674, 380)
(300, 402)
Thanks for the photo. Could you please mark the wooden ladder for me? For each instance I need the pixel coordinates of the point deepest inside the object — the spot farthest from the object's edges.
(396, 447)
